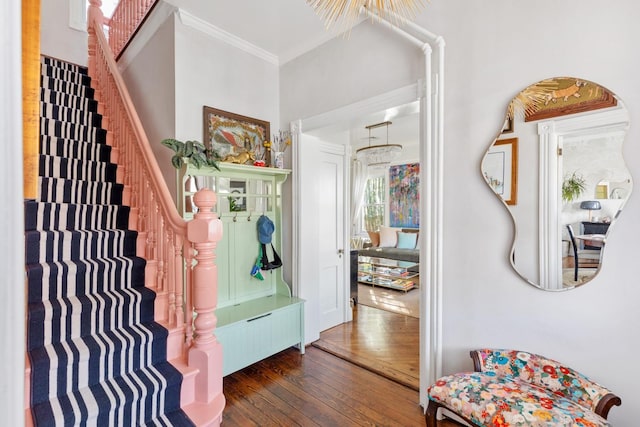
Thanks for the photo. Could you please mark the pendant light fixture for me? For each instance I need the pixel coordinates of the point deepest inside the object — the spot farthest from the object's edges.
(378, 155)
(349, 10)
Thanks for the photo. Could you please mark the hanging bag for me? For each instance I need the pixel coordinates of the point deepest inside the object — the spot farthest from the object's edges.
(265, 230)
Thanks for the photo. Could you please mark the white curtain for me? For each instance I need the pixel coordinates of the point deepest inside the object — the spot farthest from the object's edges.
(358, 185)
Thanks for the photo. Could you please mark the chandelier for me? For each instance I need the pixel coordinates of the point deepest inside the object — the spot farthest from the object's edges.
(333, 10)
(378, 155)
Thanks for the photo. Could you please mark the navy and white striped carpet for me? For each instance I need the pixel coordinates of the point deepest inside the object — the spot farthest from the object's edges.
(97, 356)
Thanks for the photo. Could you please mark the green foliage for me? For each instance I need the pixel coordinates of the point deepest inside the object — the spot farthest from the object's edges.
(572, 187)
(192, 151)
(374, 203)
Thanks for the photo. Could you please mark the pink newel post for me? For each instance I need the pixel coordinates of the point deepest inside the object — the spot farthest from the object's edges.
(205, 230)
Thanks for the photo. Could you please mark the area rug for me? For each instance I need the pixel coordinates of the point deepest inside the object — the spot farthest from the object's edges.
(584, 275)
(407, 303)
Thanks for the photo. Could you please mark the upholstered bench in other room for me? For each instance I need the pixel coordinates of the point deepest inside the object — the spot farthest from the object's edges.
(513, 387)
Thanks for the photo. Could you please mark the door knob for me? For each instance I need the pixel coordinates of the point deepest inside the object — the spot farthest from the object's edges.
(340, 252)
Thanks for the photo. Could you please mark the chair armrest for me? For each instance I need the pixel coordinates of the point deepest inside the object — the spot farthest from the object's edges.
(546, 373)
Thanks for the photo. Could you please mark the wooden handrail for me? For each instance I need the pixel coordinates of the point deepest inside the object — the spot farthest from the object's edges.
(126, 20)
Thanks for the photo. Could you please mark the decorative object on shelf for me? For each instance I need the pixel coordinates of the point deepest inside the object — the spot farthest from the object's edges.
(591, 205)
(261, 154)
(378, 155)
(193, 152)
(332, 11)
(572, 187)
(278, 145)
(235, 138)
(500, 169)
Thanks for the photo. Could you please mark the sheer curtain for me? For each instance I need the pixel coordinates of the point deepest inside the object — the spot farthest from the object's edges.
(358, 185)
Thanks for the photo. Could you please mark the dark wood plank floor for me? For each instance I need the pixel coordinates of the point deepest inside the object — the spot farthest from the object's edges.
(316, 389)
(320, 389)
(384, 342)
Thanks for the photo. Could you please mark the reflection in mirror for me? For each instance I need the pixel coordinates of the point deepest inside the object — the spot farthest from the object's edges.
(557, 166)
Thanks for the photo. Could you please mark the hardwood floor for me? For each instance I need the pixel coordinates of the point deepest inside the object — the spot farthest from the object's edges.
(316, 389)
(320, 389)
(384, 342)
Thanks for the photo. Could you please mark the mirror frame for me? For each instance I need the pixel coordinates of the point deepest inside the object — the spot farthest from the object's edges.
(552, 130)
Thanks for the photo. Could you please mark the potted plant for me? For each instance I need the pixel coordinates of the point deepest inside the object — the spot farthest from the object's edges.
(193, 152)
(572, 187)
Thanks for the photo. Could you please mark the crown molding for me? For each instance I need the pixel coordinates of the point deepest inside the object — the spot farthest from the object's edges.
(225, 36)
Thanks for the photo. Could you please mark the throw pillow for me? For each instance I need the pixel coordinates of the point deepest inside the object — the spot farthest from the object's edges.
(374, 237)
(388, 237)
(407, 240)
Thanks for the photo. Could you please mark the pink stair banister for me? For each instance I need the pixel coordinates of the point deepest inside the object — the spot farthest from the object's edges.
(185, 297)
(127, 18)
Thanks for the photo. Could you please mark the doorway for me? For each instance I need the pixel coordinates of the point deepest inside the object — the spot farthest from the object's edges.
(336, 129)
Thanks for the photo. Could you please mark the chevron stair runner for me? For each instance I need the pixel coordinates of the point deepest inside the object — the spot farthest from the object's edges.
(97, 356)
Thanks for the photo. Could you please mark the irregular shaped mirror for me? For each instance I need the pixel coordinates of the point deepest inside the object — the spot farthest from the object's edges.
(557, 166)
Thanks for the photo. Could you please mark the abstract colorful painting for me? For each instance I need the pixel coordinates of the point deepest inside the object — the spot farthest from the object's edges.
(404, 195)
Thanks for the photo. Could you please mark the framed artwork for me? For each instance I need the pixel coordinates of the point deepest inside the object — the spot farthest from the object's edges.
(404, 195)
(500, 169)
(235, 138)
(508, 125)
(237, 200)
(569, 96)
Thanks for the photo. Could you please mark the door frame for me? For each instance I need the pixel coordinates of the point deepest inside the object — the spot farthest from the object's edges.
(431, 159)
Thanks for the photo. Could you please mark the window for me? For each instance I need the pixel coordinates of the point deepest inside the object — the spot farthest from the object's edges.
(374, 203)
(108, 6)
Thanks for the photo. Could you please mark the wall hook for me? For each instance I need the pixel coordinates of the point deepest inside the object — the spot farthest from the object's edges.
(235, 217)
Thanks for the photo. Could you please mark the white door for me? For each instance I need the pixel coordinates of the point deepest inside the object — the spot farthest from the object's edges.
(321, 217)
(330, 199)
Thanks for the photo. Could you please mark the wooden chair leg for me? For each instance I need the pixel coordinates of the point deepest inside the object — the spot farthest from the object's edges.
(431, 415)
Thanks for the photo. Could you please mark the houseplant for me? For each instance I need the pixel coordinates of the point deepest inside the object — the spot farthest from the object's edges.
(193, 152)
(572, 187)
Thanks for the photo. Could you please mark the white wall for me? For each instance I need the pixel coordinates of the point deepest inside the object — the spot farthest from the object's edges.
(211, 72)
(178, 68)
(150, 77)
(57, 38)
(493, 50)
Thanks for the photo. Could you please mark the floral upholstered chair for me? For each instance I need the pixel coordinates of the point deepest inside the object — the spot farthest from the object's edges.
(516, 388)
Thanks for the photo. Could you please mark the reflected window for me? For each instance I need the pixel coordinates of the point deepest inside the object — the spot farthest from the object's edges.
(374, 203)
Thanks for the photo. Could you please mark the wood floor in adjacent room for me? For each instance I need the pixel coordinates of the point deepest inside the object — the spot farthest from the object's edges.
(320, 389)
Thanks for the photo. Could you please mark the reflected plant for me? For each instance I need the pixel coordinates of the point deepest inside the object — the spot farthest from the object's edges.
(572, 187)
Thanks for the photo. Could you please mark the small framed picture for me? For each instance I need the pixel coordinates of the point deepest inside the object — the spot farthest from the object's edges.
(500, 169)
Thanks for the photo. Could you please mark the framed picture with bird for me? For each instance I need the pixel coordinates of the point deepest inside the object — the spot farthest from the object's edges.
(235, 138)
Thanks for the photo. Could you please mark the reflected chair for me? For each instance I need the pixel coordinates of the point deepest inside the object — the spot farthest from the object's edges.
(585, 258)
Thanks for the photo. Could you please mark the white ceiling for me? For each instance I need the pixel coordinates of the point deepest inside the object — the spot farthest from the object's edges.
(284, 28)
(287, 29)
